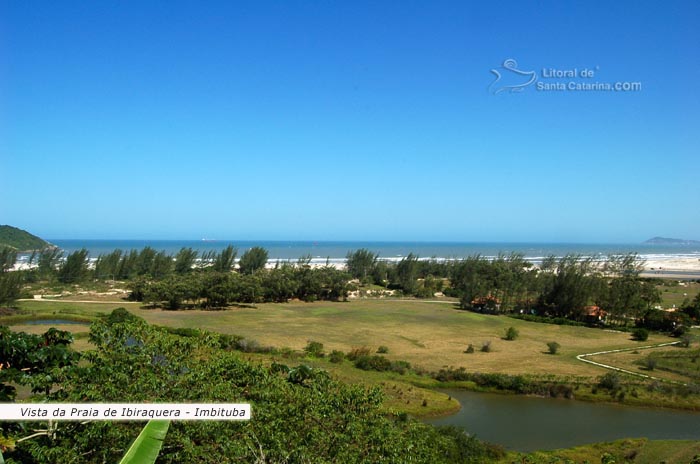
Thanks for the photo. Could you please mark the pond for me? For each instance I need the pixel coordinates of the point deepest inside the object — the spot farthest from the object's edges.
(54, 322)
(524, 423)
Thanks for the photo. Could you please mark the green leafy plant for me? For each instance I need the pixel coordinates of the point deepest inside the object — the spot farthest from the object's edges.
(511, 333)
(640, 334)
(146, 447)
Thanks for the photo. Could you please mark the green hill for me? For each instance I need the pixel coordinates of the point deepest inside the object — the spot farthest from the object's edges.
(20, 240)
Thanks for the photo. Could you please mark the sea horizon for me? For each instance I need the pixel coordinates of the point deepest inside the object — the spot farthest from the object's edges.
(389, 250)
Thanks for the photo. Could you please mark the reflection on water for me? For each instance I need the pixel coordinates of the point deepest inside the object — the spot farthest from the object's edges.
(526, 424)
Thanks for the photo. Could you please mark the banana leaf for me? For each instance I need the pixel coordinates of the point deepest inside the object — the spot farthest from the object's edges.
(146, 447)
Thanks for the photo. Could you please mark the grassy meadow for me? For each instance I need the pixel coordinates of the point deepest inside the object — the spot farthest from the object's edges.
(429, 335)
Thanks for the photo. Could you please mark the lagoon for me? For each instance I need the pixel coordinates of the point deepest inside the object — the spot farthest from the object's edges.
(524, 423)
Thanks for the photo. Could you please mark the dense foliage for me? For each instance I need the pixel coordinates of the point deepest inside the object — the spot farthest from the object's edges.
(299, 414)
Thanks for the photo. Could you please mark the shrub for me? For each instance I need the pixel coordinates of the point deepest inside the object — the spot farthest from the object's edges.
(357, 352)
(610, 381)
(486, 346)
(184, 331)
(383, 349)
(650, 363)
(373, 363)
(337, 356)
(686, 339)
(400, 367)
(314, 349)
(553, 347)
(511, 333)
(641, 334)
(470, 349)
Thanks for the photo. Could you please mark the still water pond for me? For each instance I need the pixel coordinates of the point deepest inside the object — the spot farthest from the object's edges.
(527, 424)
(54, 322)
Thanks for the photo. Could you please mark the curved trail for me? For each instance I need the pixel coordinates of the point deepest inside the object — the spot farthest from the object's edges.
(582, 357)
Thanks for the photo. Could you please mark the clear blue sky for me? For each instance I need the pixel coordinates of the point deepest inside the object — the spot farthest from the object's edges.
(326, 120)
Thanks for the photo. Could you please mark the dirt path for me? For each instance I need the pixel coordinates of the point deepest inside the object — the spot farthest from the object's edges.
(582, 357)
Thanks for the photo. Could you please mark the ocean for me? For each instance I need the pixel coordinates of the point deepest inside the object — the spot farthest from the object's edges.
(335, 252)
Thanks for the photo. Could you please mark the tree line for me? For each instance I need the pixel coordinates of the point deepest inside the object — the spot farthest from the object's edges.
(574, 287)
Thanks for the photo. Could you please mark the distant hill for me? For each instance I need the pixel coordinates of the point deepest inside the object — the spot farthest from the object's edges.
(670, 241)
(20, 240)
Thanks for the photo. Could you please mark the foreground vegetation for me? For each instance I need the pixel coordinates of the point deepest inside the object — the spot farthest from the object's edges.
(185, 364)
(300, 413)
(637, 451)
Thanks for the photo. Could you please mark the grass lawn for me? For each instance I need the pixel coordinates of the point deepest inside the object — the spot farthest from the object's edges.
(672, 363)
(428, 335)
(678, 294)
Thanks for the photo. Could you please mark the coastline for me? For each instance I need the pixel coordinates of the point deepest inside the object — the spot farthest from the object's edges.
(682, 266)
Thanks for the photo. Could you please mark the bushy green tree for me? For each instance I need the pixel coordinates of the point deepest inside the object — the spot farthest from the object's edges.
(75, 267)
(224, 261)
(10, 287)
(692, 309)
(8, 258)
(360, 263)
(253, 259)
(511, 333)
(407, 273)
(553, 347)
(640, 334)
(47, 260)
(107, 266)
(185, 260)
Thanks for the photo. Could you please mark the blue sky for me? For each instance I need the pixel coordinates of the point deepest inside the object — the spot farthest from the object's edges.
(326, 120)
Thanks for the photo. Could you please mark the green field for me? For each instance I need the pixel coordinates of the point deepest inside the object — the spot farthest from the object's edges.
(677, 295)
(429, 335)
(671, 363)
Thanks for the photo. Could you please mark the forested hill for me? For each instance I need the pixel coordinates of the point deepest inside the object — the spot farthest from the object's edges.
(670, 241)
(19, 239)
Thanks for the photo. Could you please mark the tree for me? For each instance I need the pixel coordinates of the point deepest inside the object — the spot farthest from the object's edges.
(407, 273)
(224, 260)
(511, 333)
(8, 258)
(693, 308)
(252, 260)
(48, 260)
(10, 287)
(107, 266)
(10, 282)
(33, 360)
(469, 279)
(627, 265)
(641, 334)
(553, 347)
(75, 268)
(360, 263)
(185, 260)
(574, 285)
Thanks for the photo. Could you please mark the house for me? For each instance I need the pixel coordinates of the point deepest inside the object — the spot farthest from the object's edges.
(593, 314)
(486, 304)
